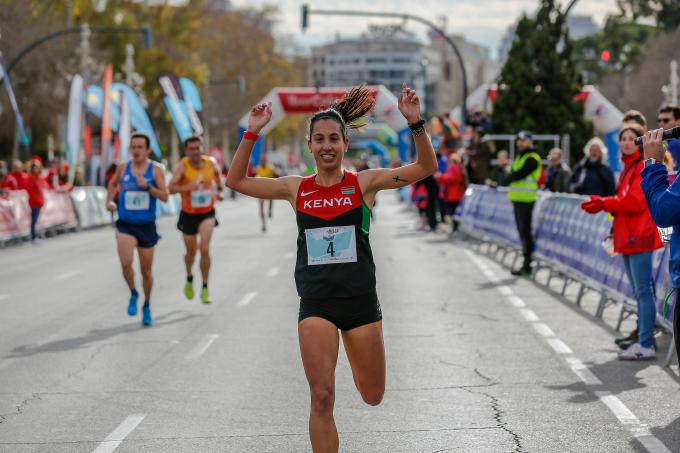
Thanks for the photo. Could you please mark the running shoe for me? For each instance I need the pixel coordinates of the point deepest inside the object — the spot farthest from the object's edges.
(189, 290)
(132, 306)
(205, 297)
(637, 352)
(146, 315)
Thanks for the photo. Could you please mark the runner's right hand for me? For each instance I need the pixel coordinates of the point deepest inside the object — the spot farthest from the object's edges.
(259, 117)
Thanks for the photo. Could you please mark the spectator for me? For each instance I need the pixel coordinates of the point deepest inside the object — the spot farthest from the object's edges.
(79, 176)
(634, 117)
(480, 152)
(58, 179)
(635, 238)
(425, 196)
(16, 179)
(479, 120)
(452, 184)
(523, 193)
(558, 172)
(3, 169)
(669, 117)
(500, 170)
(591, 176)
(36, 185)
(664, 205)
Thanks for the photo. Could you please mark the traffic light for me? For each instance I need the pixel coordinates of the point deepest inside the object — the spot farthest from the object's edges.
(305, 17)
(605, 56)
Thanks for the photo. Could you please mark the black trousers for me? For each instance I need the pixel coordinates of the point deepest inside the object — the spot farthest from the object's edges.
(523, 216)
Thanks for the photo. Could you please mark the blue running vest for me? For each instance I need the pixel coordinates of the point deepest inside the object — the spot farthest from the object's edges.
(136, 205)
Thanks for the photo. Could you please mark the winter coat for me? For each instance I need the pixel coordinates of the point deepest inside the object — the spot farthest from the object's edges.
(453, 183)
(592, 178)
(634, 229)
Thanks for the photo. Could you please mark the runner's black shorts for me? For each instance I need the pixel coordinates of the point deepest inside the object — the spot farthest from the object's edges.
(345, 312)
(188, 223)
(145, 233)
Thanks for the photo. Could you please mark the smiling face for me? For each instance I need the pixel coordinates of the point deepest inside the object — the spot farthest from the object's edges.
(627, 143)
(327, 144)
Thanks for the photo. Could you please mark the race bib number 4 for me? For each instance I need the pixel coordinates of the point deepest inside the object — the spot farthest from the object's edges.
(201, 198)
(331, 245)
(136, 200)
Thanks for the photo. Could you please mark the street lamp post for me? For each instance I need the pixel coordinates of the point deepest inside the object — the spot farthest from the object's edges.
(306, 11)
(145, 31)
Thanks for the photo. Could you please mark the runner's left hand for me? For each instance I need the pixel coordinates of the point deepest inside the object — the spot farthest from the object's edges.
(409, 104)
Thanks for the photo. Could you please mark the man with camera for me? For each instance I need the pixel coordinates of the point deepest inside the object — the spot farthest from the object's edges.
(663, 200)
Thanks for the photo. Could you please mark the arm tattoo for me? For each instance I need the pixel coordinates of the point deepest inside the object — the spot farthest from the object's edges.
(397, 179)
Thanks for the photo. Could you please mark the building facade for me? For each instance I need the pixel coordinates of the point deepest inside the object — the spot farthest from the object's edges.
(390, 55)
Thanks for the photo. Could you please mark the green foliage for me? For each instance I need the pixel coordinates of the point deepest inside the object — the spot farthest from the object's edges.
(539, 81)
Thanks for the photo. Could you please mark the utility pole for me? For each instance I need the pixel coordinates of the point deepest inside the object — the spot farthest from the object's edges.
(129, 64)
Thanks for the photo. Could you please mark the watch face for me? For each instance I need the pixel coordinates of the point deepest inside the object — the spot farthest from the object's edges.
(650, 161)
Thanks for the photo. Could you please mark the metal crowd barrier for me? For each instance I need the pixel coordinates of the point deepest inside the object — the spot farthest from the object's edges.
(82, 208)
(568, 243)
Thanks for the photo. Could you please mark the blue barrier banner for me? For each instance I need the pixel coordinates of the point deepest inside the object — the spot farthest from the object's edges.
(564, 235)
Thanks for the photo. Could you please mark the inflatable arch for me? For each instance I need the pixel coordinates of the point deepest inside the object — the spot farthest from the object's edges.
(287, 101)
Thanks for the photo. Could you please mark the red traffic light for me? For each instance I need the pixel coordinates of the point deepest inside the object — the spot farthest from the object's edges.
(605, 55)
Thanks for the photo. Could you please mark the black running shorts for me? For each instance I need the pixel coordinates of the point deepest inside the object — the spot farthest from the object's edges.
(188, 223)
(145, 233)
(345, 312)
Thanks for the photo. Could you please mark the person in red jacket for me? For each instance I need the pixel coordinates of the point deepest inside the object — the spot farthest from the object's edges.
(15, 179)
(36, 185)
(635, 238)
(452, 184)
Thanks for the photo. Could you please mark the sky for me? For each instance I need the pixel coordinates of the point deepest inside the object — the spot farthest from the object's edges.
(480, 21)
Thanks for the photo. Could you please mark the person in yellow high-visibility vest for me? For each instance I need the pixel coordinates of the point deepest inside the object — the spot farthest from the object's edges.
(523, 182)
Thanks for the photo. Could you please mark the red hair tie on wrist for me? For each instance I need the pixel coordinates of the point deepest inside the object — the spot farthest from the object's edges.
(247, 135)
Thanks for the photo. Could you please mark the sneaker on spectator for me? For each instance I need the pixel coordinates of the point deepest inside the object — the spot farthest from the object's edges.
(637, 352)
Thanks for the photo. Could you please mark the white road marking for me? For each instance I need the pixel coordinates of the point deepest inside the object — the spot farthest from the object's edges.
(559, 346)
(4, 296)
(544, 330)
(245, 300)
(529, 315)
(505, 290)
(582, 371)
(202, 346)
(119, 434)
(516, 302)
(66, 275)
(273, 272)
(627, 418)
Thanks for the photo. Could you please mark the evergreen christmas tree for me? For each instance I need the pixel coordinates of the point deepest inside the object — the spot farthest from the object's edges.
(539, 81)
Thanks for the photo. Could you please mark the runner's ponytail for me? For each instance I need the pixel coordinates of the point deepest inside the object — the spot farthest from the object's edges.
(348, 111)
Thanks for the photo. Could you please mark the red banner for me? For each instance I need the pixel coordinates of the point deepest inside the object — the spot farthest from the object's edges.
(311, 100)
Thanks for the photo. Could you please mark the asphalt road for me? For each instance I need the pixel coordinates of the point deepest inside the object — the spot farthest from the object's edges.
(477, 361)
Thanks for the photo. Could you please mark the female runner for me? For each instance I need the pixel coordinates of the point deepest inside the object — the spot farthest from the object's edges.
(334, 272)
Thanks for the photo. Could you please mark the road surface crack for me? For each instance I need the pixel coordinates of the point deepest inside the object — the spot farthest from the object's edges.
(500, 422)
(19, 408)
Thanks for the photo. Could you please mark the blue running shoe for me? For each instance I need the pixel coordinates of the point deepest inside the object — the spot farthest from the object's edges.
(132, 306)
(146, 315)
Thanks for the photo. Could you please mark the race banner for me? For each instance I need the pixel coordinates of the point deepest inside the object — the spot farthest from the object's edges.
(24, 140)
